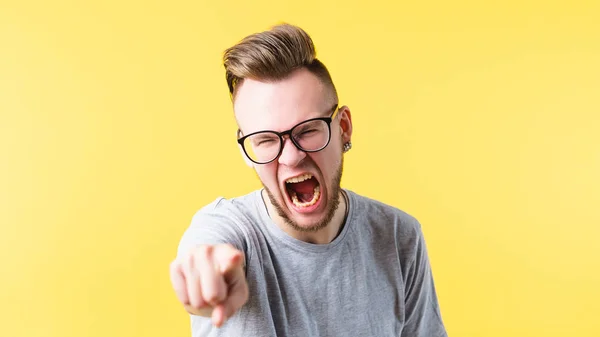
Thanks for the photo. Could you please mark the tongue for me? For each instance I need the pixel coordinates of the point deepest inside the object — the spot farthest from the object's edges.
(304, 187)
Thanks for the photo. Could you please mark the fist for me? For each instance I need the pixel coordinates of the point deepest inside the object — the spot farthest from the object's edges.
(209, 281)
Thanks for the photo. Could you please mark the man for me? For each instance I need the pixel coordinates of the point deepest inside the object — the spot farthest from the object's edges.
(301, 256)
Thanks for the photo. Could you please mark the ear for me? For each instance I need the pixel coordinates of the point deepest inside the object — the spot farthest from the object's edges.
(345, 124)
(248, 161)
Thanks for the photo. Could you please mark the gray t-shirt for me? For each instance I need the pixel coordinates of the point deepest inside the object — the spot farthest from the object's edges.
(374, 279)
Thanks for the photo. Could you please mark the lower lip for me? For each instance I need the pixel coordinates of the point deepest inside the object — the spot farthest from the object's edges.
(308, 209)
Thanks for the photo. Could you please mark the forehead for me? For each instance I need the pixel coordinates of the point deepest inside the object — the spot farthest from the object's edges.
(279, 105)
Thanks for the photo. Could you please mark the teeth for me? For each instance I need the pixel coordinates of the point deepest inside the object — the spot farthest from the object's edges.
(298, 179)
(316, 195)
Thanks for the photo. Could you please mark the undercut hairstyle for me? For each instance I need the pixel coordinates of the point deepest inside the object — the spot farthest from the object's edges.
(273, 55)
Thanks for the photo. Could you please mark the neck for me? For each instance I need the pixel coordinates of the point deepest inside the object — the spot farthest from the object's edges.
(322, 236)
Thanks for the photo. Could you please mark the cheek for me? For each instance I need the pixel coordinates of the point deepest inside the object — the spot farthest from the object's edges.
(328, 162)
(268, 176)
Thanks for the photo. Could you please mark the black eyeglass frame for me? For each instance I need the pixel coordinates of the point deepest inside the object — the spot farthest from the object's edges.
(327, 120)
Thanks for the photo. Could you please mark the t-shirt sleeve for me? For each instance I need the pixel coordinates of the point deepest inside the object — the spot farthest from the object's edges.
(215, 223)
(423, 318)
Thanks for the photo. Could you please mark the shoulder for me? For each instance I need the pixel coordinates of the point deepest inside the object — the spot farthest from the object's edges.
(224, 220)
(384, 214)
(388, 224)
(227, 209)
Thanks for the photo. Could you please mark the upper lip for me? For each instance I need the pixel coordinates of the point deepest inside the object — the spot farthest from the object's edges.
(298, 175)
(284, 182)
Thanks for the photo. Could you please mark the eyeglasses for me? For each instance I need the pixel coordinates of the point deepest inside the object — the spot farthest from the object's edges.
(312, 135)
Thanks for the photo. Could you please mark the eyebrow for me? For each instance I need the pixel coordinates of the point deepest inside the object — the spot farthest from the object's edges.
(327, 113)
(266, 135)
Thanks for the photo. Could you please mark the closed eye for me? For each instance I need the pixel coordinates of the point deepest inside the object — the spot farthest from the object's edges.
(265, 142)
(308, 132)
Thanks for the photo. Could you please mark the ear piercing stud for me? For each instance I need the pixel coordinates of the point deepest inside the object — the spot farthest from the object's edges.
(347, 146)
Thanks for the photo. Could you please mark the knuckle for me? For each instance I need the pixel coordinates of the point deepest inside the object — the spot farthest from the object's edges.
(174, 266)
(211, 297)
(205, 250)
(188, 259)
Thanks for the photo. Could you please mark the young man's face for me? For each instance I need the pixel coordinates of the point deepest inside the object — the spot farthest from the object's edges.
(307, 203)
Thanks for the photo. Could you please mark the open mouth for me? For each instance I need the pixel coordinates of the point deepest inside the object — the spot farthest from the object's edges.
(303, 191)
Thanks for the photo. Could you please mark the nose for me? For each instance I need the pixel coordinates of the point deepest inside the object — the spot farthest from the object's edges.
(291, 155)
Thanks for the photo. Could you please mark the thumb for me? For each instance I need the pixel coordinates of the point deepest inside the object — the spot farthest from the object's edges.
(228, 258)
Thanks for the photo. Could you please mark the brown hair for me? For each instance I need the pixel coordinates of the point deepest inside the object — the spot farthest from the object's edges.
(272, 55)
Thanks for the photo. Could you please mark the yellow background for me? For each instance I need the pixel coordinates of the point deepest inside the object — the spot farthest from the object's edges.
(480, 119)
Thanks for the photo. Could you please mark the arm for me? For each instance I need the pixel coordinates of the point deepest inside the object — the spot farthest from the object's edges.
(208, 275)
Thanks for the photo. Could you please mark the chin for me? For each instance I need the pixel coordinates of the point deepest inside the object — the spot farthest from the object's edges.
(310, 218)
